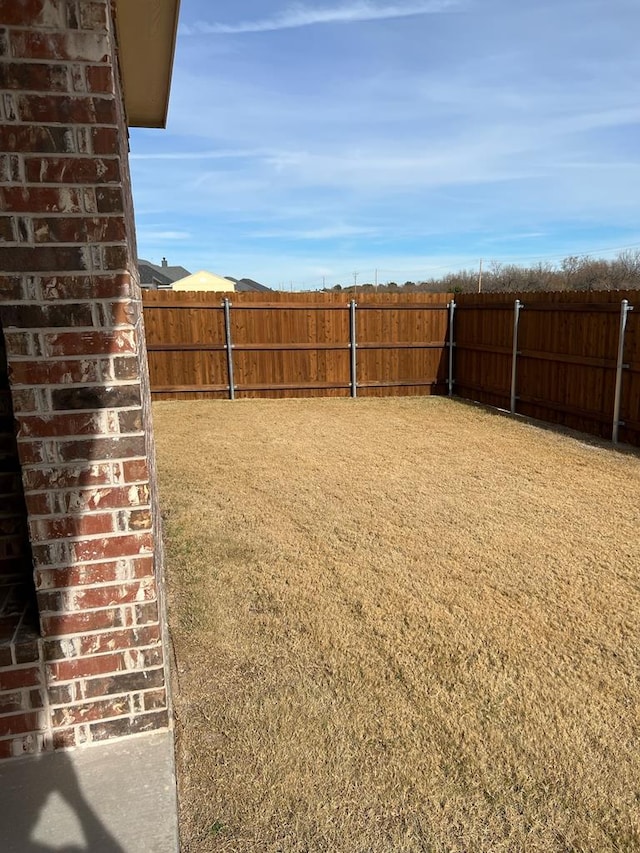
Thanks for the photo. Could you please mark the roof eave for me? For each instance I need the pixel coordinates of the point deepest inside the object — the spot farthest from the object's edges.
(147, 32)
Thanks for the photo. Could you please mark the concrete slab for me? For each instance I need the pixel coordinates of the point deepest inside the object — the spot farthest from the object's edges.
(107, 798)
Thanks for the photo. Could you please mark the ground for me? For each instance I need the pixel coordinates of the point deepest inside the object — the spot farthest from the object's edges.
(400, 625)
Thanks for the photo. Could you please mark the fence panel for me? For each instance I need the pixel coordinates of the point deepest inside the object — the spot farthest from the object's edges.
(566, 362)
(483, 343)
(295, 344)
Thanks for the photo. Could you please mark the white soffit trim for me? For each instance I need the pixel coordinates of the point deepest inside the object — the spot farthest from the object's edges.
(146, 43)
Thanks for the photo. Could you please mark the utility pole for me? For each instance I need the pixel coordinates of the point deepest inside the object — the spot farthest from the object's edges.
(291, 286)
(323, 284)
(376, 285)
(355, 282)
(480, 277)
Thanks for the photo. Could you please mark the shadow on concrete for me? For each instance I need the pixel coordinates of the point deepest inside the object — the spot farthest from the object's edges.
(32, 818)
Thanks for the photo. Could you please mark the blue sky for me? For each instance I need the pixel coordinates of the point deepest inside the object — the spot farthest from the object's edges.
(330, 137)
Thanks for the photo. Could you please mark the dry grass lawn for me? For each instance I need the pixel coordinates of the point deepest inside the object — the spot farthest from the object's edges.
(400, 625)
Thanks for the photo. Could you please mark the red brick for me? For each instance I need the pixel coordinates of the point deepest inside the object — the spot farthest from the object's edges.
(109, 200)
(79, 230)
(133, 659)
(128, 726)
(84, 423)
(117, 257)
(108, 572)
(18, 343)
(50, 315)
(72, 170)
(33, 13)
(33, 452)
(131, 420)
(93, 16)
(105, 140)
(99, 78)
(61, 694)
(14, 679)
(34, 76)
(68, 670)
(87, 46)
(43, 258)
(10, 702)
(112, 641)
(27, 651)
(122, 683)
(74, 109)
(54, 372)
(38, 504)
(116, 546)
(60, 625)
(39, 138)
(110, 229)
(121, 313)
(93, 398)
(90, 712)
(147, 613)
(86, 500)
(79, 525)
(87, 287)
(18, 724)
(88, 598)
(49, 554)
(6, 230)
(135, 470)
(154, 700)
(64, 738)
(10, 168)
(11, 286)
(101, 448)
(41, 199)
(91, 343)
(36, 699)
(67, 478)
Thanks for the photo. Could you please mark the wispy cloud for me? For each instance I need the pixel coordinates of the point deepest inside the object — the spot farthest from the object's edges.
(221, 154)
(297, 16)
(150, 236)
(324, 232)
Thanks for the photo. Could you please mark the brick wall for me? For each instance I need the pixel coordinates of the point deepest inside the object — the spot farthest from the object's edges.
(71, 312)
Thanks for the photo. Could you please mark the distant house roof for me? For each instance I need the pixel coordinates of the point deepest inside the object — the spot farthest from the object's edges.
(154, 275)
(248, 284)
(206, 281)
(163, 275)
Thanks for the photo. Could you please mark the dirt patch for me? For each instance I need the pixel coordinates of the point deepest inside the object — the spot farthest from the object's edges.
(400, 625)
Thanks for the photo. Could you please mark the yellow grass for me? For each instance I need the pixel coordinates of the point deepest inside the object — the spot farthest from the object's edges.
(400, 625)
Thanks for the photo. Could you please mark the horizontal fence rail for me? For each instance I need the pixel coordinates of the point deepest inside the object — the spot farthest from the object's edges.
(562, 358)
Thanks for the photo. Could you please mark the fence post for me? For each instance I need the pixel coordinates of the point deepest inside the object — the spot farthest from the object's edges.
(452, 310)
(352, 346)
(229, 346)
(624, 313)
(517, 307)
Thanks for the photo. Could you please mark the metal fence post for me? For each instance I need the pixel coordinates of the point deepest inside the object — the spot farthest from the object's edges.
(352, 346)
(452, 310)
(517, 307)
(617, 423)
(229, 346)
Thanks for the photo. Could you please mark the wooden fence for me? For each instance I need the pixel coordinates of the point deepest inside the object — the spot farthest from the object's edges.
(566, 358)
(303, 344)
